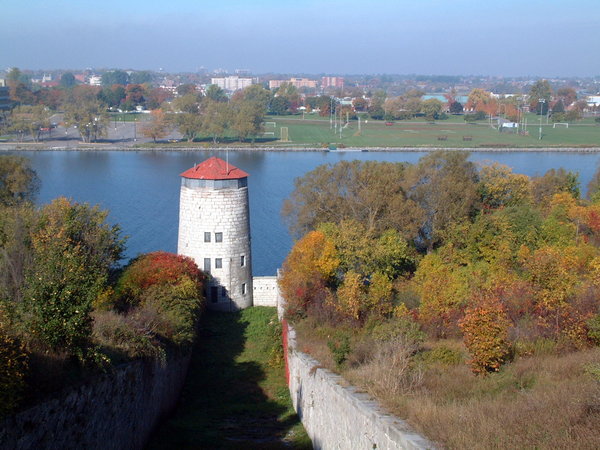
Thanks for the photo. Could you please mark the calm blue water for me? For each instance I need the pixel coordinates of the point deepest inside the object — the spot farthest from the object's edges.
(141, 189)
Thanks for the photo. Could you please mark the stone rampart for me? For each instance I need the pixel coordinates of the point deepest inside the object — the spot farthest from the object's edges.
(337, 416)
(114, 411)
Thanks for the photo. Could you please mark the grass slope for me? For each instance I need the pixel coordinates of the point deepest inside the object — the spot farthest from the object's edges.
(235, 397)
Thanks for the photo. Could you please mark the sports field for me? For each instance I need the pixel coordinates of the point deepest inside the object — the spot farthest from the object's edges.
(454, 132)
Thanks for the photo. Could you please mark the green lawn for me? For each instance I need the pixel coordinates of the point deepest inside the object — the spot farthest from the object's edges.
(235, 394)
(450, 133)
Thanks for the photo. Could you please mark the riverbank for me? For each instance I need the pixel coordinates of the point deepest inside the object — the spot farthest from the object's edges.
(108, 147)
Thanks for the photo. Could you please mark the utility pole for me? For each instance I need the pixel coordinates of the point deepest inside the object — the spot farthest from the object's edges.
(541, 103)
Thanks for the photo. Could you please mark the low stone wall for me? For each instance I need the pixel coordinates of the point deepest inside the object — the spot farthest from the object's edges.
(265, 291)
(336, 416)
(114, 411)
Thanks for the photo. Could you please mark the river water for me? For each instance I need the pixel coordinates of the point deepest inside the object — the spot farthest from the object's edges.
(141, 189)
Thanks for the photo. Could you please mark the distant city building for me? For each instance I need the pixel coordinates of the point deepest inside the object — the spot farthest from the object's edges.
(333, 82)
(297, 82)
(80, 77)
(169, 85)
(593, 101)
(232, 83)
(95, 80)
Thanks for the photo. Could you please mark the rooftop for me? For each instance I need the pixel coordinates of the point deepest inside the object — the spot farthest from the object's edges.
(214, 169)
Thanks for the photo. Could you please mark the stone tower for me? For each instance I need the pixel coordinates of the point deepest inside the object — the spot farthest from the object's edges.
(214, 230)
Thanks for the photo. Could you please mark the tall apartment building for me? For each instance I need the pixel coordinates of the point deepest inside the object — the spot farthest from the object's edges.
(232, 83)
(298, 82)
(335, 82)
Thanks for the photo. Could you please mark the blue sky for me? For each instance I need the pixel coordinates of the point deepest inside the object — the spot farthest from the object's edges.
(505, 38)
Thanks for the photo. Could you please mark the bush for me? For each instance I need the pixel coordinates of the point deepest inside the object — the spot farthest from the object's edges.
(131, 336)
(73, 251)
(593, 326)
(13, 368)
(405, 329)
(479, 115)
(442, 355)
(485, 331)
(157, 268)
(340, 349)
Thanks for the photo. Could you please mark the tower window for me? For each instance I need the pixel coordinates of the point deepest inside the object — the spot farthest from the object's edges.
(243, 288)
(207, 236)
(218, 263)
(218, 237)
(207, 265)
(242, 260)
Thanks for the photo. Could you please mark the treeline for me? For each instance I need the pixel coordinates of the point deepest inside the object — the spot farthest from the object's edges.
(444, 249)
(67, 308)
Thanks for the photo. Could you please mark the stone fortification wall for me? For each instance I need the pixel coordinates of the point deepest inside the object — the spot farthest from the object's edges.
(337, 416)
(204, 210)
(266, 292)
(113, 411)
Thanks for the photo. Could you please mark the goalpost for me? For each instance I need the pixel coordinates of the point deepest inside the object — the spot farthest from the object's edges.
(566, 125)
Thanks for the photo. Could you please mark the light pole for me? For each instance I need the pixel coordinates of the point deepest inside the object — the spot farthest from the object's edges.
(541, 101)
(135, 129)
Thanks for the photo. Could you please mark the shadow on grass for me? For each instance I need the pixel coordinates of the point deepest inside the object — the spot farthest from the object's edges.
(222, 404)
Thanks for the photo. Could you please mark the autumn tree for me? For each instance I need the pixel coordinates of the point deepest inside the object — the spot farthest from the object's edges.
(444, 186)
(158, 127)
(485, 332)
(432, 108)
(371, 193)
(18, 181)
(307, 272)
(499, 186)
(552, 182)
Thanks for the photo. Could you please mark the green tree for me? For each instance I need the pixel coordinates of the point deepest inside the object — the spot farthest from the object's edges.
(541, 89)
(90, 118)
(216, 94)
(115, 77)
(280, 106)
(73, 250)
(216, 119)
(432, 108)
(248, 118)
(67, 80)
(140, 77)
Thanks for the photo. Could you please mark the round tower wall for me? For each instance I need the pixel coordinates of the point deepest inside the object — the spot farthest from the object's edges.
(214, 230)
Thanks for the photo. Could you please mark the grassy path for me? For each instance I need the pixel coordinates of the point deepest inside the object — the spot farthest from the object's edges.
(235, 394)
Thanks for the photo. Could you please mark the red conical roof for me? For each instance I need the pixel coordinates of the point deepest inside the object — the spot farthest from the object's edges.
(214, 169)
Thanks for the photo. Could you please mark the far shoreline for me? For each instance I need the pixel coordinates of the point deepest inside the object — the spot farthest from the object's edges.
(18, 147)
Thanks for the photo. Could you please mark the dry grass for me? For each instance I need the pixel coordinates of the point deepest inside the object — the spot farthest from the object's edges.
(537, 402)
(545, 401)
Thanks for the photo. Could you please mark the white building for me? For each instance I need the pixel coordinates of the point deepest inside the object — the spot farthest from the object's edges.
(232, 83)
(95, 80)
(214, 230)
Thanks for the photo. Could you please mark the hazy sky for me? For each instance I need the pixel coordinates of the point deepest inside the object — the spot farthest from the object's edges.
(510, 37)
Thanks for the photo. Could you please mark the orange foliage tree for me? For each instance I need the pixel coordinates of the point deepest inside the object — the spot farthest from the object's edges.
(307, 271)
(485, 332)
